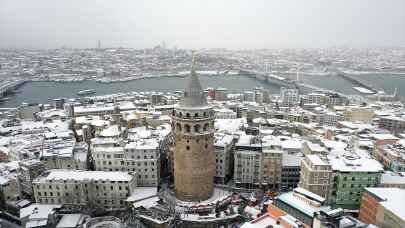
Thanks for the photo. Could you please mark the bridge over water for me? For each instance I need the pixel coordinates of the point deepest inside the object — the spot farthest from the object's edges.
(9, 85)
(357, 81)
(286, 82)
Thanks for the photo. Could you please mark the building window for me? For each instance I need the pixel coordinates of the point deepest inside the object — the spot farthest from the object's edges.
(197, 128)
(187, 128)
(206, 126)
(187, 147)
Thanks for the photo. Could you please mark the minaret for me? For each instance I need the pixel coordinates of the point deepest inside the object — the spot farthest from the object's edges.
(193, 130)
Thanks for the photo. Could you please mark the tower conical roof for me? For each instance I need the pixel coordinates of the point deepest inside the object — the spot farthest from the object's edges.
(194, 94)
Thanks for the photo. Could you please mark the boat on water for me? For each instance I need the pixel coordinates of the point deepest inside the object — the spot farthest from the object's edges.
(86, 92)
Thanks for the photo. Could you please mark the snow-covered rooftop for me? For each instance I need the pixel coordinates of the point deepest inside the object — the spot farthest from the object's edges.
(389, 177)
(392, 199)
(143, 144)
(351, 162)
(292, 159)
(79, 175)
(316, 160)
(141, 193)
(221, 140)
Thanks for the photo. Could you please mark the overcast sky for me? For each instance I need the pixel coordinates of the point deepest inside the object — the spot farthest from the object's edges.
(202, 24)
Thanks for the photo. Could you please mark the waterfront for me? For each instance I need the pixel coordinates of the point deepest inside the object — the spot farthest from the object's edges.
(43, 92)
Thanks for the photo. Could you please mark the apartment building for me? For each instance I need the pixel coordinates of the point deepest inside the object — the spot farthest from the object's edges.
(382, 207)
(290, 173)
(92, 189)
(271, 167)
(316, 175)
(391, 179)
(28, 170)
(392, 156)
(330, 118)
(224, 157)
(352, 173)
(247, 168)
(313, 98)
(141, 157)
(392, 123)
(356, 113)
(301, 204)
(257, 164)
(289, 96)
(65, 154)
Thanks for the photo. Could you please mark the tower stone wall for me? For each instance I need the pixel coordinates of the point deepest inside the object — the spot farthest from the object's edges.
(194, 157)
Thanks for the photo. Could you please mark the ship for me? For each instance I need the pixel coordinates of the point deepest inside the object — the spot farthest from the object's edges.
(86, 92)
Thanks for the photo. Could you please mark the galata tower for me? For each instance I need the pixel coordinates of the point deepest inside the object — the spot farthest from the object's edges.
(194, 158)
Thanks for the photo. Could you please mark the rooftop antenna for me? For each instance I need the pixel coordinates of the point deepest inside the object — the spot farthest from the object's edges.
(298, 71)
(99, 44)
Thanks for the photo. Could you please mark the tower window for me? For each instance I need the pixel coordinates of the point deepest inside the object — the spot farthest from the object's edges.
(196, 115)
(206, 126)
(188, 115)
(187, 128)
(180, 114)
(197, 128)
(205, 113)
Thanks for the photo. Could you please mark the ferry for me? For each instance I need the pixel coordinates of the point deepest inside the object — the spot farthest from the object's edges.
(86, 92)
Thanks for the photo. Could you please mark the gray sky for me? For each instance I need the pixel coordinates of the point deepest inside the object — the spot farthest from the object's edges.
(205, 23)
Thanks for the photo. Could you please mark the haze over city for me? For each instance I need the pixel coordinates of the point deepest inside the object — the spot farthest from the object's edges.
(230, 24)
